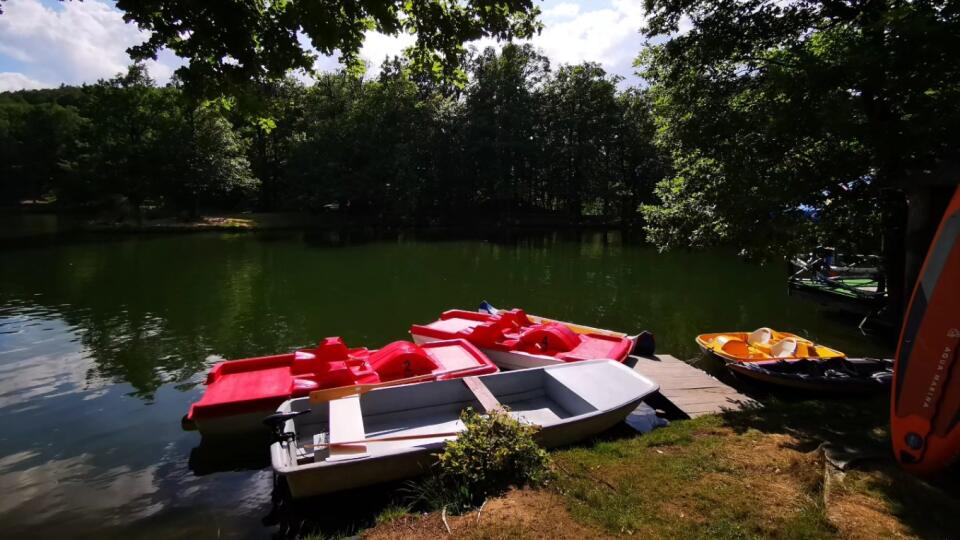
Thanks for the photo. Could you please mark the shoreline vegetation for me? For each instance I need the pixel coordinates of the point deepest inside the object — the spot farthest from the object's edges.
(791, 469)
(30, 222)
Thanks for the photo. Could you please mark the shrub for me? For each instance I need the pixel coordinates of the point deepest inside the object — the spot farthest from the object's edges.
(494, 453)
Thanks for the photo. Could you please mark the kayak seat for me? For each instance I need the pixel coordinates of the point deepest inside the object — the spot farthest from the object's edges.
(549, 338)
(597, 347)
(785, 348)
(487, 334)
(330, 350)
(514, 320)
(401, 359)
(733, 346)
(760, 336)
(331, 374)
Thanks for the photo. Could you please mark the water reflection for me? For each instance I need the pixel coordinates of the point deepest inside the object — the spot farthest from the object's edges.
(79, 489)
(103, 344)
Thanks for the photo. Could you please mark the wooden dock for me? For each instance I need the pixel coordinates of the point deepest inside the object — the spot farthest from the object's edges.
(686, 389)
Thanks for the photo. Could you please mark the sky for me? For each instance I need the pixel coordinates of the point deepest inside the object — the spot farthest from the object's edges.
(46, 43)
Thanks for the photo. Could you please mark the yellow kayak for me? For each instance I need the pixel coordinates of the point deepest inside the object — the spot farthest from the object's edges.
(763, 345)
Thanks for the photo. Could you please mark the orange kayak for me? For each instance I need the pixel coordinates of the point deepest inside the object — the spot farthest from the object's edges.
(763, 345)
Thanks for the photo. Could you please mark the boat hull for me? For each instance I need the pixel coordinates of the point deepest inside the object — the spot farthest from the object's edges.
(400, 466)
(318, 478)
(245, 424)
(864, 384)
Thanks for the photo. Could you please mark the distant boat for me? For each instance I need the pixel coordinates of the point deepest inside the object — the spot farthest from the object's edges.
(925, 405)
(394, 433)
(515, 340)
(240, 393)
(846, 283)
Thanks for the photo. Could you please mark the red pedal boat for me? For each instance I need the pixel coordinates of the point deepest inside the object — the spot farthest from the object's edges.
(514, 340)
(240, 393)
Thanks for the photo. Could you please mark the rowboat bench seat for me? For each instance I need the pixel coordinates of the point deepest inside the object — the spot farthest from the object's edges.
(480, 391)
(346, 424)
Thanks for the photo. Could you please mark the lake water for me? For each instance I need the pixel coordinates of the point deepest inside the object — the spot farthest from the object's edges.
(104, 342)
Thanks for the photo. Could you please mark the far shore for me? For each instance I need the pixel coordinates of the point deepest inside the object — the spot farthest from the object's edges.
(35, 223)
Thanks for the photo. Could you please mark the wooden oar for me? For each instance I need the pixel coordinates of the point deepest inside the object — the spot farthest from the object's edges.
(385, 439)
(327, 394)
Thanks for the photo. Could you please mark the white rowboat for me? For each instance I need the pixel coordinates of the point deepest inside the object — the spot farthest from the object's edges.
(335, 445)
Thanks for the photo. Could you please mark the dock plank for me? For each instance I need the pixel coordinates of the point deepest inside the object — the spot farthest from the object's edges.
(692, 391)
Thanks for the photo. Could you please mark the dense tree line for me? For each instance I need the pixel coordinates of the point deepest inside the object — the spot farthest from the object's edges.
(123, 143)
(518, 140)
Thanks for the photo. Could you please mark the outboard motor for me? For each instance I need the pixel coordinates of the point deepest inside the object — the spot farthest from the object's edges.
(277, 421)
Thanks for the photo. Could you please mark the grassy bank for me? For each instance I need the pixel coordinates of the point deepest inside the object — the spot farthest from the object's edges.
(770, 472)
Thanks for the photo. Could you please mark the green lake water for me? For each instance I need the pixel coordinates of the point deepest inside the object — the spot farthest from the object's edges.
(105, 340)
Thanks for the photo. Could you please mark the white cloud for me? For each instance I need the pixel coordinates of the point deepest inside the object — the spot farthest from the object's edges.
(73, 42)
(562, 10)
(377, 46)
(77, 42)
(609, 35)
(10, 81)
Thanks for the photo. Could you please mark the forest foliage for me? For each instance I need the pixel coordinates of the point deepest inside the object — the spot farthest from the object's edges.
(518, 140)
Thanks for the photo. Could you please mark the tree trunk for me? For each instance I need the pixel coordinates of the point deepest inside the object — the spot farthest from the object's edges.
(925, 207)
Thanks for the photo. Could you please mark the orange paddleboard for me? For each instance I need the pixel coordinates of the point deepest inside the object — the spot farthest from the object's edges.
(925, 404)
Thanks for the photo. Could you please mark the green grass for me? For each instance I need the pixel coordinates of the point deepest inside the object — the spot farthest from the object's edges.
(321, 536)
(677, 483)
(758, 473)
(755, 473)
(392, 513)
